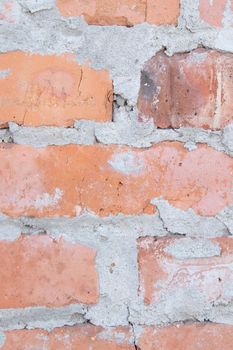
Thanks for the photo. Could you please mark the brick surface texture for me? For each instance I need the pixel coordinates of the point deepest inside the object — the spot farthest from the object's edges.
(121, 12)
(116, 174)
(52, 90)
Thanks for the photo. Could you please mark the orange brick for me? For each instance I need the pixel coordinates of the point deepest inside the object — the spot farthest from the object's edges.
(52, 90)
(122, 12)
(212, 12)
(83, 337)
(63, 180)
(163, 12)
(188, 90)
(193, 336)
(162, 272)
(105, 12)
(38, 271)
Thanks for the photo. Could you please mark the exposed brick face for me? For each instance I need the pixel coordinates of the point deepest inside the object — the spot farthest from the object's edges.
(162, 12)
(84, 337)
(39, 271)
(192, 90)
(122, 12)
(116, 174)
(187, 337)
(212, 12)
(111, 180)
(164, 273)
(52, 90)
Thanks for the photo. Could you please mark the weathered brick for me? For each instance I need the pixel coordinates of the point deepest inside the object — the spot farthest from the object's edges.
(39, 271)
(162, 12)
(193, 336)
(192, 89)
(83, 337)
(105, 12)
(64, 180)
(175, 266)
(212, 12)
(51, 90)
(122, 12)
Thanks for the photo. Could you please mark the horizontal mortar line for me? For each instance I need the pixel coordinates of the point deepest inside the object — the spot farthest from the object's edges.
(90, 229)
(105, 134)
(42, 317)
(83, 223)
(84, 27)
(77, 314)
(163, 32)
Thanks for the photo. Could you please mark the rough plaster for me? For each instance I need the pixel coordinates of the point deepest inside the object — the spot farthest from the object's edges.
(38, 28)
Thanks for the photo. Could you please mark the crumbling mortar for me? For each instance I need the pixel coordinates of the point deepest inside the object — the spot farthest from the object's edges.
(164, 225)
(132, 327)
(180, 222)
(69, 35)
(125, 130)
(228, 231)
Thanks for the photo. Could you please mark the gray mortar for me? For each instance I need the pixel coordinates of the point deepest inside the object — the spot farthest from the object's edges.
(42, 317)
(4, 73)
(181, 222)
(88, 226)
(114, 239)
(227, 139)
(185, 305)
(226, 217)
(83, 133)
(9, 229)
(122, 51)
(189, 248)
(2, 339)
(126, 130)
(136, 134)
(36, 5)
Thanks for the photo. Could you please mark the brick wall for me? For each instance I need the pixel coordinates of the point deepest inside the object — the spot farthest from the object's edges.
(116, 197)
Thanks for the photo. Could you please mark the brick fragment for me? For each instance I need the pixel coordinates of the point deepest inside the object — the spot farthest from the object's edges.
(188, 90)
(163, 12)
(173, 267)
(83, 337)
(212, 12)
(122, 12)
(39, 271)
(64, 180)
(193, 336)
(52, 90)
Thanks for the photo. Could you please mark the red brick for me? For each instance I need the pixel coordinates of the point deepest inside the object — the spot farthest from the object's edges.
(63, 180)
(83, 337)
(212, 12)
(193, 336)
(162, 12)
(188, 90)
(52, 90)
(162, 273)
(39, 271)
(105, 12)
(122, 12)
